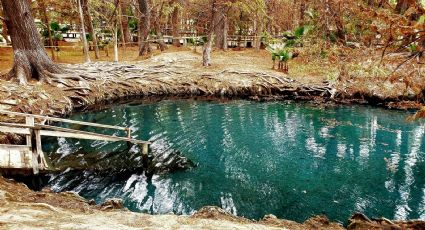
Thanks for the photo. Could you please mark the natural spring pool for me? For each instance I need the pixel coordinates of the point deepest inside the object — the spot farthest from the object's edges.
(293, 160)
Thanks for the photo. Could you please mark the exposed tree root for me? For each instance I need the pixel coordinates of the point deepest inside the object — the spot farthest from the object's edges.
(91, 83)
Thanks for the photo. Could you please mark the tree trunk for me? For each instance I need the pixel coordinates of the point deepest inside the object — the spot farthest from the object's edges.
(30, 58)
(121, 25)
(126, 30)
(144, 27)
(85, 45)
(43, 12)
(206, 54)
(258, 32)
(115, 44)
(157, 24)
(302, 12)
(403, 5)
(138, 15)
(221, 28)
(339, 21)
(175, 22)
(89, 24)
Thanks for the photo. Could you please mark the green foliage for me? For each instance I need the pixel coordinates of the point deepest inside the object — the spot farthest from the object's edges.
(56, 30)
(280, 52)
(421, 20)
(299, 32)
(55, 26)
(195, 41)
(323, 54)
(284, 50)
(132, 24)
(413, 48)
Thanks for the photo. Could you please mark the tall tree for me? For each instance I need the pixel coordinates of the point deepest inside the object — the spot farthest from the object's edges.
(144, 27)
(89, 25)
(125, 21)
(206, 53)
(43, 12)
(120, 19)
(83, 33)
(157, 25)
(175, 23)
(221, 27)
(403, 5)
(30, 58)
(302, 12)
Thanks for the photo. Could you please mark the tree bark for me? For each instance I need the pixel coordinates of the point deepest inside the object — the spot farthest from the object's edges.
(144, 27)
(126, 30)
(302, 12)
(138, 15)
(30, 58)
(403, 5)
(206, 53)
(121, 25)
(85, 44)
(339, 21)
(221, 28)
(258, 31)
(175, 22)
(89, 25)
(46, 21)
(157, 24)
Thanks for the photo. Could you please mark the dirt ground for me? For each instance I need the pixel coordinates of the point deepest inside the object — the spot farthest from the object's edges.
(233, 74)
(345, 75)
(178, 71)
(247, 57)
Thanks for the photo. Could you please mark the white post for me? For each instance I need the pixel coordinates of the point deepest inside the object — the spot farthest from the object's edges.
(35, 167)
(39, 149)
(115, 44)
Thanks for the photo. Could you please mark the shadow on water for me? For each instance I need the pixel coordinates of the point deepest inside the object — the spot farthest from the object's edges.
(113, 166)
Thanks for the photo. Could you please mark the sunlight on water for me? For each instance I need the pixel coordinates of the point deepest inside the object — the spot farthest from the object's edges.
(293, 160)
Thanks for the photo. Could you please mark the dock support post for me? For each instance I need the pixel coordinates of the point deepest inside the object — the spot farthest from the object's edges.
(35, 167)
(145, 156)
(128, 130)
(39, 150)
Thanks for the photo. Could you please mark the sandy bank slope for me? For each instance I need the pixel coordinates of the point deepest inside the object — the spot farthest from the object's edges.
(22, 208)
(21, 215)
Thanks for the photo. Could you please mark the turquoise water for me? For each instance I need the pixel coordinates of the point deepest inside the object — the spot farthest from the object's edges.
(293, 160)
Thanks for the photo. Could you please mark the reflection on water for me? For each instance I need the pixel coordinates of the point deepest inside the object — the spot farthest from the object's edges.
(292, 160)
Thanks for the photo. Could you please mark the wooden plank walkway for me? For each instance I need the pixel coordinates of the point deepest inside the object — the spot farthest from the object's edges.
(31, 156)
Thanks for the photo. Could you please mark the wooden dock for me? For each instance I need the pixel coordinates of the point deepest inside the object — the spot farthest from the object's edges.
(30, 156)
